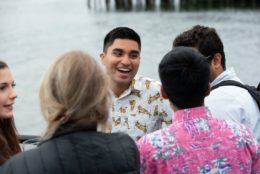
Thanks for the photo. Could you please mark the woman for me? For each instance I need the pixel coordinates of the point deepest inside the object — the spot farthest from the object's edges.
(75, 101)
(9, 144)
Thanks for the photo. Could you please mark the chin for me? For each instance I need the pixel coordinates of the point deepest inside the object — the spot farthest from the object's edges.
(6, 115)
(124, 82)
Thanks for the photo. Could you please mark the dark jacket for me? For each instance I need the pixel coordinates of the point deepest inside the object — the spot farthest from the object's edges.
(78, 152)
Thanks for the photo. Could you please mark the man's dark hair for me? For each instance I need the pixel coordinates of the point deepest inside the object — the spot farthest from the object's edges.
(203, 38)
(185, 75)
(121, 33)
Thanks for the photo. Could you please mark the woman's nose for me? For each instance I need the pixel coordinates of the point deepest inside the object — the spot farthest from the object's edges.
(13, 93)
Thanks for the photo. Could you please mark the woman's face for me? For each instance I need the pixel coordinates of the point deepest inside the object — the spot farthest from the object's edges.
(7, 93)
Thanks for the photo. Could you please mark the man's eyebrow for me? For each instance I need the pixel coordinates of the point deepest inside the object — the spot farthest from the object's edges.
(117, 49)
(135, 51)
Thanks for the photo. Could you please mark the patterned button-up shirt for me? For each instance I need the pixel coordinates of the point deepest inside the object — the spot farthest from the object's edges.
(198, 143)
(140, 109)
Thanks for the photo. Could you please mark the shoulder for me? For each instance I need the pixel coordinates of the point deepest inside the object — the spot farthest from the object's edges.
(102, 141)
(121, 139)
(93, 138)
(117, 143)
(236, 131)
(156, 139)
(228, 96)
(24, 162)
(142, 82)
(238, 102)
(224, 88)
(121, 149)
(229, 91)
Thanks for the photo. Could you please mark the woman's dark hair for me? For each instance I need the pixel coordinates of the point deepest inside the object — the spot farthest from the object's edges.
(9, 143)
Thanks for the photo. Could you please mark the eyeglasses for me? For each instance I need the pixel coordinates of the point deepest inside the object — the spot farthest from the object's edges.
(208, 58)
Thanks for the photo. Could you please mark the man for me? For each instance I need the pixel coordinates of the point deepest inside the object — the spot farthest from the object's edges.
(196, 142)
(226, 102)
(137, 106)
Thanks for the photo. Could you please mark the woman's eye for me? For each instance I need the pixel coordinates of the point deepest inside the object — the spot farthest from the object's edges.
(2, 87)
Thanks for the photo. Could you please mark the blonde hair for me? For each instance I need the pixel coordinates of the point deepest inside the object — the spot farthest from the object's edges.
(74, 91)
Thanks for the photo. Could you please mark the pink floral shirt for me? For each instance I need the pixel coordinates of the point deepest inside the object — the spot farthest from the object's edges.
(198, 143)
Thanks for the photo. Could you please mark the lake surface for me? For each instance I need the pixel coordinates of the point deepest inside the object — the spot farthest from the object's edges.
(34, 32)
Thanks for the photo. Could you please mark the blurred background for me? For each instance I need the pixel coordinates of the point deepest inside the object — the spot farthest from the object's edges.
(34, 32)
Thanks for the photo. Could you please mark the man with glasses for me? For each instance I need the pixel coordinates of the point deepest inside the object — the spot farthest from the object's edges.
(226, 102)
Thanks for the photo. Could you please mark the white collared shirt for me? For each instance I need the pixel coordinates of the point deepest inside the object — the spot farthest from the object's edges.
(234, 103)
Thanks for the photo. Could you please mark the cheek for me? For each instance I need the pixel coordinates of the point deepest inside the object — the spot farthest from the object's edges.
(1, 112)
(110, 62)
(136, 64)
(2, 99)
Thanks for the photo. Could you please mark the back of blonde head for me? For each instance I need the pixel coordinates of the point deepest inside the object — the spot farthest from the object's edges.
(74, 91)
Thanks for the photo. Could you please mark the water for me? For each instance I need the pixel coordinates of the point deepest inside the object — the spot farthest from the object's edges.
(33, 32)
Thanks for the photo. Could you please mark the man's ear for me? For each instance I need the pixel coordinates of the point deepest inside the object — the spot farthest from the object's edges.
(208, 90)
(102, 57)
(163, 93)
(216, 61)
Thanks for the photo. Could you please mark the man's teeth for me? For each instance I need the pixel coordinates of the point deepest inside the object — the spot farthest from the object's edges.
(123, 69)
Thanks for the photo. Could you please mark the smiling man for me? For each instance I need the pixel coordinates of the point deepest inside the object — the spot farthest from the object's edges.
(137, 106)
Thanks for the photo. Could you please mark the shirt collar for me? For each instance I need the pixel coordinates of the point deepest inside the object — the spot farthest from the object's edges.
(136, 84)
(135, 87)
(228, 74)
(191, 113)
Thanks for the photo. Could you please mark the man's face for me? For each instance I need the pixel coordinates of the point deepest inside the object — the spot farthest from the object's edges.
(215, 66)
(122, 60)
(213, 74)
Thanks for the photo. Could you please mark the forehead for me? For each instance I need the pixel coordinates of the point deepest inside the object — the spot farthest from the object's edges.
(124, 44)
(5, 75)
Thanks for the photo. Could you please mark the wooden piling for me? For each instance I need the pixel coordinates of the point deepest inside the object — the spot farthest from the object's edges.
(127, 5)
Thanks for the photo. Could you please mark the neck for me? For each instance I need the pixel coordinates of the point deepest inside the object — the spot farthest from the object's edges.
(219, 71)
(215, 73)
(118, 89)
(173, 106)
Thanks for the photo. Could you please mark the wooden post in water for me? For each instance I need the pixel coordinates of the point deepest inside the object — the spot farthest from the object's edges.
(210, 5)
(243, 4)
(149, 4)
(129, 4)
(166, 4)
(108, 5)
(89, 4)
(118, 4)
(123, 4)
(254, 3)
(177, 5)
(169, 4)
